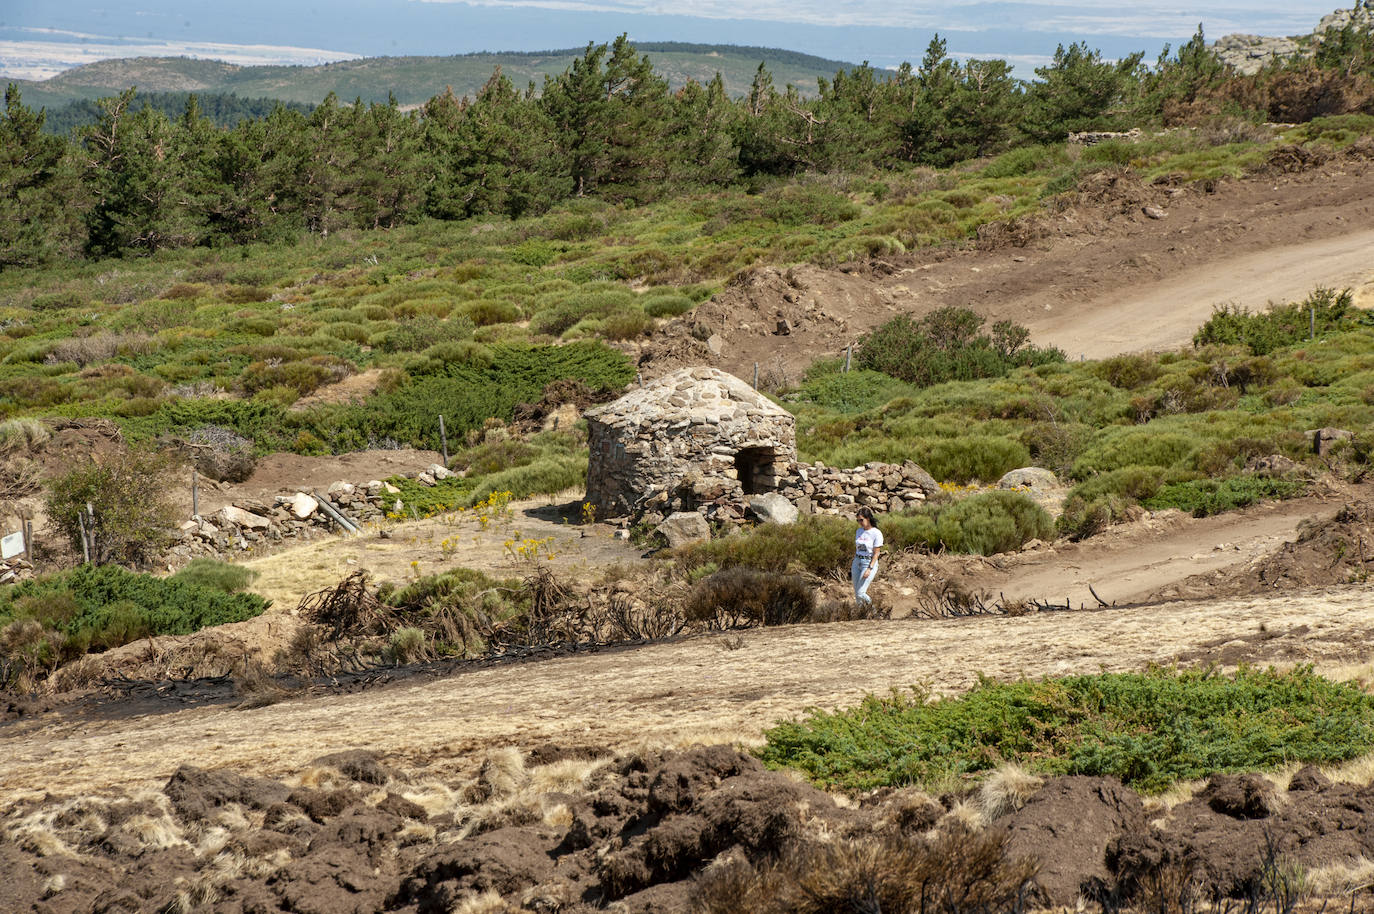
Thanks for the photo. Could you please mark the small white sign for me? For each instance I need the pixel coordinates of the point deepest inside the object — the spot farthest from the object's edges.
(12, 545)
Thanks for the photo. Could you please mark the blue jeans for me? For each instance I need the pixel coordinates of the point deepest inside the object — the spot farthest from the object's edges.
(856, 575)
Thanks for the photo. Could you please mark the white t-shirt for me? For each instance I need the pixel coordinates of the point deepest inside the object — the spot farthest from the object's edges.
(865, 541)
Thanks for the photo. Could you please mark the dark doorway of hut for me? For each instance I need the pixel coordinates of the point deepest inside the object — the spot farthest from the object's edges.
(754, 469)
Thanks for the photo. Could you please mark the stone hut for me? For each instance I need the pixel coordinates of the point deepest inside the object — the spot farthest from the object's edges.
(697, 434)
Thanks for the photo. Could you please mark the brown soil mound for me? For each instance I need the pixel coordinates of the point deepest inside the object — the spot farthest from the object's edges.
(707, 829)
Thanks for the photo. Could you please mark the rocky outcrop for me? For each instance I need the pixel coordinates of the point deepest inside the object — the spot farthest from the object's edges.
(1249, 53)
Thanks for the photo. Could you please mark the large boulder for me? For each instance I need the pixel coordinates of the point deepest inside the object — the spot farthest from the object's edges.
(233, 516)
(684, 528)
(1324, 439)
(1034, 478)
(772, 508)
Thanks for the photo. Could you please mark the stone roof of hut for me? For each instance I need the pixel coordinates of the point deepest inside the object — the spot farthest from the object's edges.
(691, 394)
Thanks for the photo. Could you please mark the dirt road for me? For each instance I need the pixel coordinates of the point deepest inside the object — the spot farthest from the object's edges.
(1098, 279)
(676, 694)
(1164, 314)
(1135, 562)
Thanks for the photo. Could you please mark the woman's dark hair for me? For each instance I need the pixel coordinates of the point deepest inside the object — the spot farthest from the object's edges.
(868, 513)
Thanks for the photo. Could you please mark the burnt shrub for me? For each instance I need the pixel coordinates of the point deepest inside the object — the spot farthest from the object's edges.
(740, 597)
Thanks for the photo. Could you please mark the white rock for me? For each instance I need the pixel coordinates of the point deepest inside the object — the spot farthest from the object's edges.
(374, 486)
(303, 505)
(425, 479)
(389, 489)
(439, 471)
(341, 488)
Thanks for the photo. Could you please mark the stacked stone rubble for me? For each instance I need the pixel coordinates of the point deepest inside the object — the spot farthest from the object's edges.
(813, 488)
(255, 526)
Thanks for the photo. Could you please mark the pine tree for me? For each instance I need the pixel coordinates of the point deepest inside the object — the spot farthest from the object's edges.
(37, 193)
(608, 113)
(1079, 91)
(137, 166)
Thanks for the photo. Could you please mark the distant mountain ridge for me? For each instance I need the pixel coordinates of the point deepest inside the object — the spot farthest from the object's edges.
(412, 80)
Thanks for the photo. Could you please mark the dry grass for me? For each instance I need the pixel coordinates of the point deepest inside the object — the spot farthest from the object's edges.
(1334, 880)
(1006, 790)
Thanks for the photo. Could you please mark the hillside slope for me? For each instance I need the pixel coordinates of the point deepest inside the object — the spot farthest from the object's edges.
(412, 80)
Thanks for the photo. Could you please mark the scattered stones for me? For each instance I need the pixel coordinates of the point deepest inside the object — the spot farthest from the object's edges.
(439, 471)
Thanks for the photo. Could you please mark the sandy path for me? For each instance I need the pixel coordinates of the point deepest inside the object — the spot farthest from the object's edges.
(1165, 314)
(674, 693)
(1129, 563)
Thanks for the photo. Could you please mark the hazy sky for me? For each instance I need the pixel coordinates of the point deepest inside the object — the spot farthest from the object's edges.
(39, 38)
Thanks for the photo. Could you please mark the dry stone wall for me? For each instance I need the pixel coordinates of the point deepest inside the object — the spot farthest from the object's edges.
(813, 488)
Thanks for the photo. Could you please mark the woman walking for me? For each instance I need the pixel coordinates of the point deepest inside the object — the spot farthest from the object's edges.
(867, 541)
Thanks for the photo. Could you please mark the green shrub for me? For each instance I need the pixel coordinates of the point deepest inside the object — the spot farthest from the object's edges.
(419, 334)
(465, 352)
(453, 610)
(55, 618)
(486, 311)
(1129, 371)
(1084, 517)
(948, 345)
(792, 204)
(741, 596)
(557, 319)
(1122, 447)
(1132, 482)
(975, 457)
(1205, 497)
(626, 325)
(669, 304)
(982, 524)
(129, 491)
(21, 435)
(1281, 325)
(817, 543)
(212, 574)
(850, 392)
(1151, 730)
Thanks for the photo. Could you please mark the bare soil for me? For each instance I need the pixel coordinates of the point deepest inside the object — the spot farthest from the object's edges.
(1096, 279)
